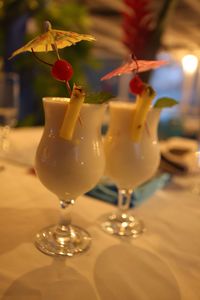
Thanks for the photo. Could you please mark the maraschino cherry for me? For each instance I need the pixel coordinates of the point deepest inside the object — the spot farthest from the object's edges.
(137, 86)
(62, 70)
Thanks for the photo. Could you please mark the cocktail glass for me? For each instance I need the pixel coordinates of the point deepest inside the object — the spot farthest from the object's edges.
(68, 169)
(129, 164)
(9, 106)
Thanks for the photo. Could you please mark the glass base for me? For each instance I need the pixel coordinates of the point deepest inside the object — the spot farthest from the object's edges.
(56, 241)
(122, 224)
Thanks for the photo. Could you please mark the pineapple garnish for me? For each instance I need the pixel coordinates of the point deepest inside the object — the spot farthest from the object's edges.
(143, 103)
(72, 113)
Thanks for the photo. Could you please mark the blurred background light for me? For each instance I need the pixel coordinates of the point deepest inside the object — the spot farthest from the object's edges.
(190, 63)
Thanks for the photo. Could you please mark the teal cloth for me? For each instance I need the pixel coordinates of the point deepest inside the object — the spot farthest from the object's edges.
(107, 191)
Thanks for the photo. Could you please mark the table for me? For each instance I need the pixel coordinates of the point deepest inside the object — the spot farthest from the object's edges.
(162, 264)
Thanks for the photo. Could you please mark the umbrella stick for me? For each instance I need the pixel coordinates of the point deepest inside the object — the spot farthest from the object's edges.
(55, 48)
(39, 59)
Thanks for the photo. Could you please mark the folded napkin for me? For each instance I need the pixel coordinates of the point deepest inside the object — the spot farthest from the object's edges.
(107, 191)
(179, 155)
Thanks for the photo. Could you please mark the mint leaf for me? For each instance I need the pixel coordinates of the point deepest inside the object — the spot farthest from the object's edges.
(165, 102)
(98, 98)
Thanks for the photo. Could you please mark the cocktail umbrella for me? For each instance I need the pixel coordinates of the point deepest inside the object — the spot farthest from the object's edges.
(144, 92)
(53, 39)
(135, 65)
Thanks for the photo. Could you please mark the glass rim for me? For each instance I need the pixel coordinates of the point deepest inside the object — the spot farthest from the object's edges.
(67, 100)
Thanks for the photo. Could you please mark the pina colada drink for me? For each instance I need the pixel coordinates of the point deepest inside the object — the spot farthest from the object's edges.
(131, 146)
(69, 158)
(69, 163)
(70, 168)
(131, 159)
(131, 163)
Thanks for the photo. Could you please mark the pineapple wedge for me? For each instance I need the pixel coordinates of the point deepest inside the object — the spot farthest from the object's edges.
(72, 113)
(143, 103)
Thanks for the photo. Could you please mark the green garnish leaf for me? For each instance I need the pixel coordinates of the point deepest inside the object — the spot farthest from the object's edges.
(165, 102)
(98, 98)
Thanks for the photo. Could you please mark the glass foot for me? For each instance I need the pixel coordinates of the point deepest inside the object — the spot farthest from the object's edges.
(63, 241)
(122, 225)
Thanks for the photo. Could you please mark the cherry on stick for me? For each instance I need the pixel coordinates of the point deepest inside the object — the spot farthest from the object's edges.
(62, 70)
(137, 86)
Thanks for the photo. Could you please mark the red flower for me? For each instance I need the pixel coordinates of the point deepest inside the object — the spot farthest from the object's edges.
(137, 25)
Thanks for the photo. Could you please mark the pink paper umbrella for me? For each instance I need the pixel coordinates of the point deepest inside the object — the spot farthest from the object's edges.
(135, 65)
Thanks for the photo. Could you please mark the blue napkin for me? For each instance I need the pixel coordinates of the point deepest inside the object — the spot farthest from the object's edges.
(107, 191)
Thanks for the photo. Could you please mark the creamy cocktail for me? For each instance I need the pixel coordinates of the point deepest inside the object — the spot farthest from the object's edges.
(129, 163)
(69, 158)
(131, 147)
(69, 167)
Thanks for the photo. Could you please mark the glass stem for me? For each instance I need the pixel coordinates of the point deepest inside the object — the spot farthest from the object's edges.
(124, 199)
(64, 232)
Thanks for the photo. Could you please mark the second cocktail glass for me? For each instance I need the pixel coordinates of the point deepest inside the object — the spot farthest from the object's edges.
(129, 163)
(68, 169)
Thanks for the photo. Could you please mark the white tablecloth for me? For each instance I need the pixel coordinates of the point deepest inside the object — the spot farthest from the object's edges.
(162, 264)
